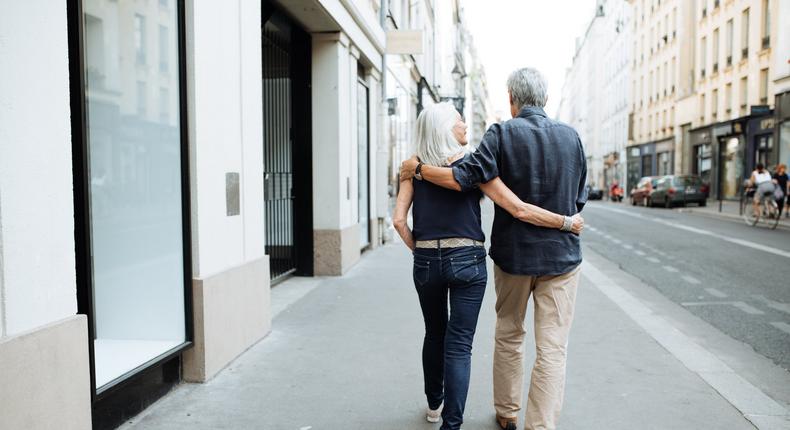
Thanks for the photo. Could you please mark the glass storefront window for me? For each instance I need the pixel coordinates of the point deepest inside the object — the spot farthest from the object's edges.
(135, 171)
(784, 143)
(703, 162)
(763, 148)
(363, 171)
(731, 162)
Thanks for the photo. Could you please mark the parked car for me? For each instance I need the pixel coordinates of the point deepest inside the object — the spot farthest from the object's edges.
(678, 190)
(640, 195)
(594, 193)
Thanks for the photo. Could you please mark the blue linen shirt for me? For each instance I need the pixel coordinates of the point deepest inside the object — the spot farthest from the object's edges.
(543, 162)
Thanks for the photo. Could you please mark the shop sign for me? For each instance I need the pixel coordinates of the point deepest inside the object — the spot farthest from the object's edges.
(767, 124)
(405, 42)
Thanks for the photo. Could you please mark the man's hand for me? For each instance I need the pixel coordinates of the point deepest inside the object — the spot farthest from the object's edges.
(578, 224)
(408, 167)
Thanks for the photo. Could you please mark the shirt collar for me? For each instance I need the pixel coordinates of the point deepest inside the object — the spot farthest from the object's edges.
(531, 110)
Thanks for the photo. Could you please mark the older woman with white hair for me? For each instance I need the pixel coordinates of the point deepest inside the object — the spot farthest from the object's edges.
(450, 259)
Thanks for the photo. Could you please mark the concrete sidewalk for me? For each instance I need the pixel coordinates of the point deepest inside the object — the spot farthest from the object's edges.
(344, 353)
(729, 210)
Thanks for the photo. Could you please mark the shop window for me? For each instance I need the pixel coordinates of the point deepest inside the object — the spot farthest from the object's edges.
(136, 282)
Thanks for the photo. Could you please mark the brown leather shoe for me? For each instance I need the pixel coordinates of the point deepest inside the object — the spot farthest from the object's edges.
(506, 423)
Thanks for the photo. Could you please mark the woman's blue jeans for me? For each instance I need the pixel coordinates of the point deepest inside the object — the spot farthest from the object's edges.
(460, 274)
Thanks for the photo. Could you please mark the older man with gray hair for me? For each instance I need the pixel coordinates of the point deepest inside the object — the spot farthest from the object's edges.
(543, 162)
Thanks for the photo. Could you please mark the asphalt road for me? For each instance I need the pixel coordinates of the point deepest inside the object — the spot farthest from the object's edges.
(735, 277)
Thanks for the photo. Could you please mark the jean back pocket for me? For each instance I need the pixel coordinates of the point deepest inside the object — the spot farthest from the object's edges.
(422, 272)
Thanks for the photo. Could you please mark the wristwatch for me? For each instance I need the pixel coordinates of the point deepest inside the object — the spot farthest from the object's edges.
(417, 171)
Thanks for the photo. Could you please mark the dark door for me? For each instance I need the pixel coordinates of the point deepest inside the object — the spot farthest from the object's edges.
(286, 145)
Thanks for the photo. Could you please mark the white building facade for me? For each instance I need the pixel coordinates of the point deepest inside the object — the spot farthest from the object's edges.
(595, 96)
(164, 163)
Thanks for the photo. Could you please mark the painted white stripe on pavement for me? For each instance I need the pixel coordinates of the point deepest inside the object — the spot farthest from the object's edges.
(671, 269)
(676, 224)
(785, 327)
(628, 247)
(640, 253)
(691, 280)
(740, 305)
(715, 293)
(653, 260)
(784, 307)
(738, 391)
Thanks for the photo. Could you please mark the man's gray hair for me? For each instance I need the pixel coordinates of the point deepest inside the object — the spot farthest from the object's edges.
(527, 87)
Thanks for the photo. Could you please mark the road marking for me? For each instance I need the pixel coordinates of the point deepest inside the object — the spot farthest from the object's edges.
(691, 280)
(617, 241)
(640, 253)
(716, 293)
(628, 247)
(671, 269)
(742, 394)
(675, 224)
(785, 327)
(784, 307)
(653, 260)
(740, 305)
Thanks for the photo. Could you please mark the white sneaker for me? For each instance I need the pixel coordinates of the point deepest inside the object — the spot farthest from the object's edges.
(433, 416)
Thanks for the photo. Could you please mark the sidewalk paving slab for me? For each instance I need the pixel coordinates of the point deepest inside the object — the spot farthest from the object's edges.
(347, 356)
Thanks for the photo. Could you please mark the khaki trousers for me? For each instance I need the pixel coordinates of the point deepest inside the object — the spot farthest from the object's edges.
(554, 299)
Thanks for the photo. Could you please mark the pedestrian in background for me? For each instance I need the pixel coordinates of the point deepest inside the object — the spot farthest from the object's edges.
(450, 258)
(780, 177)
(543, 162)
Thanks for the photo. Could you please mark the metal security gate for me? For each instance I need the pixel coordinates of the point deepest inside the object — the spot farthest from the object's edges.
(286, 146)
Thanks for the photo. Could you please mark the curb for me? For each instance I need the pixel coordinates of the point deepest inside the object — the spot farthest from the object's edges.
(783, 225)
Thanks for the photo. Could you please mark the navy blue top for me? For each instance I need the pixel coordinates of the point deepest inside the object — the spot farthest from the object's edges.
(440, 213)
(543, 162)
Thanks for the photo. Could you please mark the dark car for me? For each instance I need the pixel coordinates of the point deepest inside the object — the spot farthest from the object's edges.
(640, 195)
(678, 190)
(594, 193)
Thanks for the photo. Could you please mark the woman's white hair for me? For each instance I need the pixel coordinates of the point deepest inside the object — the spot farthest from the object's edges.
(436, 142)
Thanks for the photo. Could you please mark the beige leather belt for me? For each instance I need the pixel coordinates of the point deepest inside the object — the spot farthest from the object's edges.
(453, 242)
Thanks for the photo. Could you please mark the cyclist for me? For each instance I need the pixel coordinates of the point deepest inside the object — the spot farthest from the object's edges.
(763, 183)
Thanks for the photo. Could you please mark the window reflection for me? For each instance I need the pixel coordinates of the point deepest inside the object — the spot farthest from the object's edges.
(135, 182)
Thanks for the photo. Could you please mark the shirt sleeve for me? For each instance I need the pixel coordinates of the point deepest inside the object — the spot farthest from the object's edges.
(480, 166)
(581, 198)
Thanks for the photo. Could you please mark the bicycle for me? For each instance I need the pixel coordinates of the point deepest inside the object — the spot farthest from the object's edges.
(768, 210)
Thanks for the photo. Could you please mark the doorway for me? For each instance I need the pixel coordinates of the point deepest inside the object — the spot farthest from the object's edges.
(287, 154)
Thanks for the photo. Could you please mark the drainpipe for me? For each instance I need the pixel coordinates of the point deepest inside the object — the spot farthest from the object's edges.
(383, 12)
(383, 159)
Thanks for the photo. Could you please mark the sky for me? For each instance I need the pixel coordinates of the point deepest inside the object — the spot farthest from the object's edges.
(510, 34)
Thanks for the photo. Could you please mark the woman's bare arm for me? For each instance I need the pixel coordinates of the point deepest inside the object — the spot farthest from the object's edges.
(505, 198)
(402, 205)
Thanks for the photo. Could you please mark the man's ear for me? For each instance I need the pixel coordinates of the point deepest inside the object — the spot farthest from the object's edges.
(510, 98)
